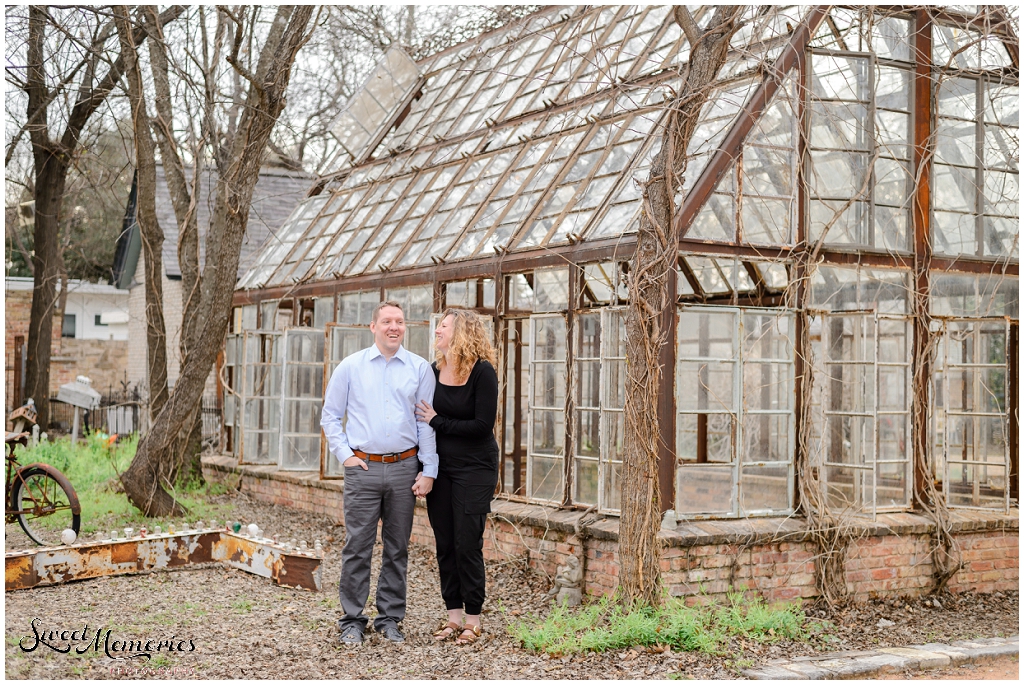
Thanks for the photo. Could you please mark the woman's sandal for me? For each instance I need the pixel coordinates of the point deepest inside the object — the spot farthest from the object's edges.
(448, 632)
(469, 635)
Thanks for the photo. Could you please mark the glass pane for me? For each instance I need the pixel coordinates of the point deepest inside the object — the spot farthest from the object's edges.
(768, 336)
(766, 438)
(703, 490)
(585, 485)
(549, 339)
(615, 432)
(548, 431)
(589, 437)
(765, 488)
(612, 486)
(850, 439)
(767, 387)
(848, 489)
(839, 78)
(588, 384)
(706, 334)
(767, 221)
(552, 289)
(301, 453)
(615, 378)
(588, 328)
(546, 479)
(704, 386)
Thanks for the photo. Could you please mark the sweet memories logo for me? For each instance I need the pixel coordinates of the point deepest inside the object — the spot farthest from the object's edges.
(82, 640)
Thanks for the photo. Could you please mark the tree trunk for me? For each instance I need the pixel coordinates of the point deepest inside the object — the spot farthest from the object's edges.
(145, 216)
(656, 253)
(145, 479)
(51, 172)
(52, 158)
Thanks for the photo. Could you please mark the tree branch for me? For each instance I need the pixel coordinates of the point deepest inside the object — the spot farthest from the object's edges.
(685, 20)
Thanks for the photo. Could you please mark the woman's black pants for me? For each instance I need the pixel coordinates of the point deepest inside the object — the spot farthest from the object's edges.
(459, 533)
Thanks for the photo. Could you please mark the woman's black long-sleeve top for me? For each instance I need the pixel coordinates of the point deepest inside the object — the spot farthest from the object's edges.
(464, 426)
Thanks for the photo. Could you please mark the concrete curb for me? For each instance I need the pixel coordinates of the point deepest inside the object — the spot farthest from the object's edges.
(865, 664)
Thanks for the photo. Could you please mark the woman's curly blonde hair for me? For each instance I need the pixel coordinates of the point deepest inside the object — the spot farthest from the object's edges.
(470, 342)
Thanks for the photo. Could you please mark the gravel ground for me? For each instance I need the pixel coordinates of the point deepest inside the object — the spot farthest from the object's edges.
(244, 626)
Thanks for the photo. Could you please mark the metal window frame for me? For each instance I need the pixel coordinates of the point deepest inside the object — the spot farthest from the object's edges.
(248, 364)
(864, 506)
(530, 453)
(739, 412)
(330, 364)
(974, 415)
(286, 365)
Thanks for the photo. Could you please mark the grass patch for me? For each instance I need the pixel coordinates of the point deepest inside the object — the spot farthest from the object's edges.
(242, 606)
(607, 625)
(92, 466)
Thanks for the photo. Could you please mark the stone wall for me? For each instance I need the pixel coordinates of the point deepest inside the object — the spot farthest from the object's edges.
(701, 560)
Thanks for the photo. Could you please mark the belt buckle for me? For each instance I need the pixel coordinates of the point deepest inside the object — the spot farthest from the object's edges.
(389, 458)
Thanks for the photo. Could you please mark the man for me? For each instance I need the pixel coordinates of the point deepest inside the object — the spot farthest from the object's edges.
(370, 423)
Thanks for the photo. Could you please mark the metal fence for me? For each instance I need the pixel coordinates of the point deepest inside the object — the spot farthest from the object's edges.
(120, 412)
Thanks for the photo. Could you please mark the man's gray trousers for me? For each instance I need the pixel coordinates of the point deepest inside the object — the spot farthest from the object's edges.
(382, 493)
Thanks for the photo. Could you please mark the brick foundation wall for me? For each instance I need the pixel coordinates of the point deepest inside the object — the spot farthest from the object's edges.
(700, 560)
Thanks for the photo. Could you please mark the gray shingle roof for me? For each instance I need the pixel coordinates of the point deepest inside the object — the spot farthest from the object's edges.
(277, 193)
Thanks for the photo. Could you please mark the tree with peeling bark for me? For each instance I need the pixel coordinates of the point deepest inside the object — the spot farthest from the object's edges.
(649, 297)
(70, 69)
(238, 151)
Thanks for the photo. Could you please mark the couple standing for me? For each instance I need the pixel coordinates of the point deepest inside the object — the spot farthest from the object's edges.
(405, 429)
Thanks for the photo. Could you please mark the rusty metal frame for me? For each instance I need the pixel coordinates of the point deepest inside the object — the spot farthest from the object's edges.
(262, 557)
(551, 140)
(404, 195)
(559, 179)
(605, 249)
(921, 223)
(732, 145)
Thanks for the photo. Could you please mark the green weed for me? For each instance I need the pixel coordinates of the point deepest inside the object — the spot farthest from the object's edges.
(242, 606)
(607, 625)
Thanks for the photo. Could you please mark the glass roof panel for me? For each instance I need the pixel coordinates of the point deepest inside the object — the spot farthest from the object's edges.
(773, 274)
(388, 86)
(705, 269)
(302, 224)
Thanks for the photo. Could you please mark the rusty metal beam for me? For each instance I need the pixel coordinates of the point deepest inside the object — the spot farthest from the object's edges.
(58, 565)
(732, 145)
(667, 400)
(609, 249)
(920, 214)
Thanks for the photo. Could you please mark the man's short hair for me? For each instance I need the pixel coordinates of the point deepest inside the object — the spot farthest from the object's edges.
(386, 303)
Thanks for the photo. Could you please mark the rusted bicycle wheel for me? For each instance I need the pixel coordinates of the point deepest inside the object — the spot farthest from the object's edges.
(47, 504)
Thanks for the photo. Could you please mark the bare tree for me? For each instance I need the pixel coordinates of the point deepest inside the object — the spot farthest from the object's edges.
(69, 72)
(657, 247)
(239, 150)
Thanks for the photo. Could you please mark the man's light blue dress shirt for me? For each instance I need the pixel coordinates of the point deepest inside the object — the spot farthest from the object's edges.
(379, 398)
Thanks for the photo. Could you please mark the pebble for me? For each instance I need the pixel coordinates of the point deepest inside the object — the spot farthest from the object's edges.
(884, 623)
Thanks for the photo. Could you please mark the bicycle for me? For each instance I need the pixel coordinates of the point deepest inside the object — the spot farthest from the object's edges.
(35, 492)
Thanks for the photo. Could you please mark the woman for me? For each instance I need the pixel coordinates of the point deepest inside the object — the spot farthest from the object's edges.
(462, 416)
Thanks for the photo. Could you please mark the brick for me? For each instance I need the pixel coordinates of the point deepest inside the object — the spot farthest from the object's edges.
(883, 573)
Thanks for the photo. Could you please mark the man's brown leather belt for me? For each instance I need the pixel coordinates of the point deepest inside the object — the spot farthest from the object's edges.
(387, 458)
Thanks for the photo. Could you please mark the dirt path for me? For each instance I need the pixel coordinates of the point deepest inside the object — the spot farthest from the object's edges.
(244, 626)
(1003, 668)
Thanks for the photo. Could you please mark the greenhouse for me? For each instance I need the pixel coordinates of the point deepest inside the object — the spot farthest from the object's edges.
(849, 216)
